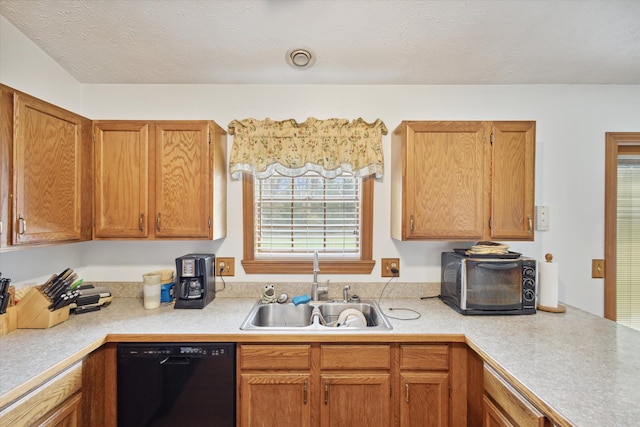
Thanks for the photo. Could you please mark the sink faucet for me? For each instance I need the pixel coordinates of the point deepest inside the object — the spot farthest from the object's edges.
(345, 293)
(317, 291)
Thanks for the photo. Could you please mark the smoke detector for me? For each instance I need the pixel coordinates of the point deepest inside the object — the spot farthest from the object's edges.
(300, 58)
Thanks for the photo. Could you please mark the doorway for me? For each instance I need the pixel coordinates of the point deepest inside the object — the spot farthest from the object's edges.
(622, 228)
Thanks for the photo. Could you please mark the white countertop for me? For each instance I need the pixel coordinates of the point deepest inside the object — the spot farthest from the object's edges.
(587, 369)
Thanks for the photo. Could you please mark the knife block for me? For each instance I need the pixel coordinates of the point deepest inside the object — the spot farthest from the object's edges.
(8, 321)
(33, 311)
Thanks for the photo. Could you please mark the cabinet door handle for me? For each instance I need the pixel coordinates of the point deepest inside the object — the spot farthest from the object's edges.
(22, 225)
(1, 228)
(411, 223)
(530, 224)
(140, 221)
(406, 386)
(304, 395)
(158, 222)
(326, 393)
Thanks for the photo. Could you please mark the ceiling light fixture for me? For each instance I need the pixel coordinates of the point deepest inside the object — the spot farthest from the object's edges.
(300, 58)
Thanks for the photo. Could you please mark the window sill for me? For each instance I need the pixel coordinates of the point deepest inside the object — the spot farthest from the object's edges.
(327, 266)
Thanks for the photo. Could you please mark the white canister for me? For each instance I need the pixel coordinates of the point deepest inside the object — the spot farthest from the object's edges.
(151, 290)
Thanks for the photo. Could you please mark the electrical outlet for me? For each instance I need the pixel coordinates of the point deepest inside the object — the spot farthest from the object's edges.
(389, 264)
(226, 266)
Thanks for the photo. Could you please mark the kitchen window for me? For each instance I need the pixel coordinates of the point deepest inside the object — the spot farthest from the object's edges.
(307, 187)
(286, 219)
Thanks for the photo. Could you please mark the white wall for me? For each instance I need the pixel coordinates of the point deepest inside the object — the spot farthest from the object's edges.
(571, 124)
(24, 66)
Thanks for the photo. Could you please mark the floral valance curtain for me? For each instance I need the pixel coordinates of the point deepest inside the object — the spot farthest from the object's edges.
(328, 147)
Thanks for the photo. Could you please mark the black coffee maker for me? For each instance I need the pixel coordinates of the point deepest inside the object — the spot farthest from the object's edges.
(195, 280)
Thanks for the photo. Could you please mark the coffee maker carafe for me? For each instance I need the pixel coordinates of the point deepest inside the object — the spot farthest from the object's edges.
(195, 283)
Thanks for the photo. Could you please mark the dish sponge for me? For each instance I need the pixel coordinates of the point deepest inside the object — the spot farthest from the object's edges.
(301, 299)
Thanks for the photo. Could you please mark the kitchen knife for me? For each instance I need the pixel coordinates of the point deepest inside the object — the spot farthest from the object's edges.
(4, 285)
(86, 309)
(61, 286)
(53, 286)
(47, 285)
(4, 302)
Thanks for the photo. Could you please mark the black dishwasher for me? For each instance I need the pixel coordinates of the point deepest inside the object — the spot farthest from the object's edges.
(176, 384)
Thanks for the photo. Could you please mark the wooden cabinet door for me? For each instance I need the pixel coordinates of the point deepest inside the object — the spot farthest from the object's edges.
(6, 137)
(274, 400)
(47, 167)
(512, 180)
(121, 179)
(66, 415)
(425, 399)
(444, 185)
(355, 400)
(182, 180)
(492, 416)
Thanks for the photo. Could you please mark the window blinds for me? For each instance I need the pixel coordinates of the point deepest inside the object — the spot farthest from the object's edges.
(628, 242)
(296, 216)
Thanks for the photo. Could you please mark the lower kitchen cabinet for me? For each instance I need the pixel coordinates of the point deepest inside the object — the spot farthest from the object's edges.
(274, 385)
(66, 414)
(55, 403)
(503, 406)
(356, 385)
(356, 400)
(424, 385)
(425, 400)
(275, 400)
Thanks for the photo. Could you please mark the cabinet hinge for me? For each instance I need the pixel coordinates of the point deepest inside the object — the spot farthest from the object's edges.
(490, 222)
(209, 136)
(94, 137)
(491, 138)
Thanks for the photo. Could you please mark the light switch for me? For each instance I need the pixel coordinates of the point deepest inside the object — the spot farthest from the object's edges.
(597, 268)
(542, 218)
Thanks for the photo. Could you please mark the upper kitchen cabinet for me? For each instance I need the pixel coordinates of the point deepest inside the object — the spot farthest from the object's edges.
(50, 192)
(160, 179)
(462, 180)
(6, 142)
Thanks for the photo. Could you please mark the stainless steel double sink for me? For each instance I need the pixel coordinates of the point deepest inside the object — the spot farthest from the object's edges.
(291, 317)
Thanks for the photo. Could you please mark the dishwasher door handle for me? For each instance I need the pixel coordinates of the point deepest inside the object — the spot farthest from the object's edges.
(177, 360)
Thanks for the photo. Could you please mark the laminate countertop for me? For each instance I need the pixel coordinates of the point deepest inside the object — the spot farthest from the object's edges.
(581, 367)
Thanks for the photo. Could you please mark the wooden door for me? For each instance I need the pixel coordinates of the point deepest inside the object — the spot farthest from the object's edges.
(182, 180)
(444, 184)
(47, 167)
(355, 400)
(121, 179)
(512, 180)
(424, 399)
(274, 400)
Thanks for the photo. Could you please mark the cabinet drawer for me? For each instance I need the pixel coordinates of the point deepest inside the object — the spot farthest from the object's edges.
(424, 357)
(355, 357)
(510, 402)
(49, 400)
(275, 357)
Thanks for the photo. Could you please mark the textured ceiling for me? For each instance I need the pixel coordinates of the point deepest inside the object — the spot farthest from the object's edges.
(356, 42)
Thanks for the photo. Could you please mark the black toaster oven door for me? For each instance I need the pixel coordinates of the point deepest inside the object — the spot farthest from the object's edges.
(493, 285)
